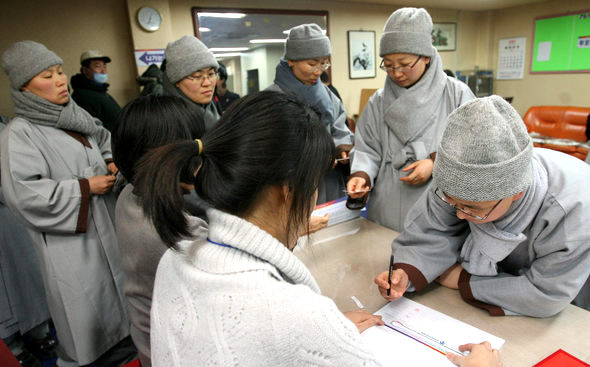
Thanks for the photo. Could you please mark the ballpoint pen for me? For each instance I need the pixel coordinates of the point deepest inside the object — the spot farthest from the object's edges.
(390, 271)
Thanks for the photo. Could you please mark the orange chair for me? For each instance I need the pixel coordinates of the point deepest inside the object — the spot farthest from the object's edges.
(561, 128)
(365, 95)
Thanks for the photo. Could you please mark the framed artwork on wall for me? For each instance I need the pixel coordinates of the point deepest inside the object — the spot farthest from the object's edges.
(444, 36)
(361, 54)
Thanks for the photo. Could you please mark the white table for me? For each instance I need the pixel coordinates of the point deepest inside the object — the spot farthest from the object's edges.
(345, 266)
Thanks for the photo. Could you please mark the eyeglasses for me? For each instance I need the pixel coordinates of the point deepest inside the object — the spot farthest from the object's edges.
(441, 195)
(401, 69)
(199, 79)
(320, 67)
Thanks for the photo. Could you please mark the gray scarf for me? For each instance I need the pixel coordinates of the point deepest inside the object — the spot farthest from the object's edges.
(410, 112)
(40, 111)
(490, 243)
(315, 96)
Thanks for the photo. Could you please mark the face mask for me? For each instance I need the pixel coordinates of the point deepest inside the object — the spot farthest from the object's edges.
(100, 78)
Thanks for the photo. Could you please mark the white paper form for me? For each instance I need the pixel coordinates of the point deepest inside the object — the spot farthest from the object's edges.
(421, 335)
(338, 211)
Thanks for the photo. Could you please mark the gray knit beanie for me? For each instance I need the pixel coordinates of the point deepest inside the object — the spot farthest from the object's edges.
(307, 41)
(408, 30)
(485, 152)
(185, 56)
(25, 59)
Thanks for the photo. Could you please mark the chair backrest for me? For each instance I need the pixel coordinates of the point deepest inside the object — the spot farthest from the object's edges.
(563, 122)
(365, 95)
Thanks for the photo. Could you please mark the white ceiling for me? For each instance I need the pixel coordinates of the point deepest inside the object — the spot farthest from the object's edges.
(451, 4)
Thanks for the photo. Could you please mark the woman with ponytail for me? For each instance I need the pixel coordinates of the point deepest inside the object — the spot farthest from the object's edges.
(144, 124)
(240, 294)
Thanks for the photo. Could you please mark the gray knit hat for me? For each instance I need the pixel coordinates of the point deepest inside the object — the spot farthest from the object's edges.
(307, 41)
(185, 56)
(25, 59)
(408, 30)
(485, 152)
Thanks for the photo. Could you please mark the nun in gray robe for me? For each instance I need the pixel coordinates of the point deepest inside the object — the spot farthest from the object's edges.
(403, 124)
(22, 298)
(49, 151)
(307, 42)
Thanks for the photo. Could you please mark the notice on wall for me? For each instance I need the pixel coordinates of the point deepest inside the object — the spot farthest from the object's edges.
(148, 57)
(511, 58)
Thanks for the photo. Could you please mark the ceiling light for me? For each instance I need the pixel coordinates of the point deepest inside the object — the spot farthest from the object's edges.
(271, 40)
(204, 29)
(223, 15)
(228, 54)
(228, 49)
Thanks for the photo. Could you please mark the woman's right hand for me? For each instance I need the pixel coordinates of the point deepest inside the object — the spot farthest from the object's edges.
(100, 185)
(480, 355)
(399, 284)
(363, 320)
(357, 187)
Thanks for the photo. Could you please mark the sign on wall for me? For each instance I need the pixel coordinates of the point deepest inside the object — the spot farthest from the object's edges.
(148, 57)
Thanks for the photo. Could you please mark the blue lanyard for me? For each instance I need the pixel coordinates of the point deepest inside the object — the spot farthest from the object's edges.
(219, 244)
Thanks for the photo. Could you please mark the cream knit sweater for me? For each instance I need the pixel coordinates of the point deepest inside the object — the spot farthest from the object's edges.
(252, 304)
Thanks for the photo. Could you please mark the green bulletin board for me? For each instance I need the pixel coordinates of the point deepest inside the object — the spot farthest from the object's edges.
(561, 43)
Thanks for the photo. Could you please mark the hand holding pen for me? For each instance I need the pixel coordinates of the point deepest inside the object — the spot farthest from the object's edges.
(392, 286)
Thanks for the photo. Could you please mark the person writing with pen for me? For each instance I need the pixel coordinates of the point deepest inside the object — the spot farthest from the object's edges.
(504, 223)
(236, 287)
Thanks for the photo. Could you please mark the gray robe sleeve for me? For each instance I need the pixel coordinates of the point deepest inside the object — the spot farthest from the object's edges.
(430, 241)
(339, 131)
(367, 152)
(554, 279)
(43, 204)
(461, 91)
(103, 139)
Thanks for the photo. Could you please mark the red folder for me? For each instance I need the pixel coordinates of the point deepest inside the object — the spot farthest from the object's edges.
(561, 358)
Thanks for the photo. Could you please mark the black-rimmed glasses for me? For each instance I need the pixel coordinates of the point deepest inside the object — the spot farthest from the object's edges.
(402, 69)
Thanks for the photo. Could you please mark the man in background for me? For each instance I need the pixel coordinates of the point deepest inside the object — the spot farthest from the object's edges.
(90, 88)
(223, 96)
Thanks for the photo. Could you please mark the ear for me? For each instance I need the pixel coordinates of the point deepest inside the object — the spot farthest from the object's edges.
(286, 192)
(291, 63)
(427, 60)
(25, 88)
(85, 71)
(517, 196)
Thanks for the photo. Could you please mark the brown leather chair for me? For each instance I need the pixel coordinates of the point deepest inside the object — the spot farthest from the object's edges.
(560, 128)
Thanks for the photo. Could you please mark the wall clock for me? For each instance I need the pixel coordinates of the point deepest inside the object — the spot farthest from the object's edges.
(149, 19)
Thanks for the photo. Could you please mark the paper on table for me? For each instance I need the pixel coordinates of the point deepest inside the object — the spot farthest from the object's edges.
(429, 326)
(337, 210)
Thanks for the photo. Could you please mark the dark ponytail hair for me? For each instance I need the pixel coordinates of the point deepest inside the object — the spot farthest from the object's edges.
(149, 122)
(264, 139)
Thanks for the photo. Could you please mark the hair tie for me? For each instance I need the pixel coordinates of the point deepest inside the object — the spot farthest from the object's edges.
(200, 145)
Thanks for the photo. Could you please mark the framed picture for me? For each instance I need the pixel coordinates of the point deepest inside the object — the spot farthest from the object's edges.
(444, 36)
(361, 54)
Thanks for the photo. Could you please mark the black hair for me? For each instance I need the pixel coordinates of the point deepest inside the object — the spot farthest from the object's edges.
(449, 72)
(325, 77)
(149, 122)
(262, 140)
(222, 71)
